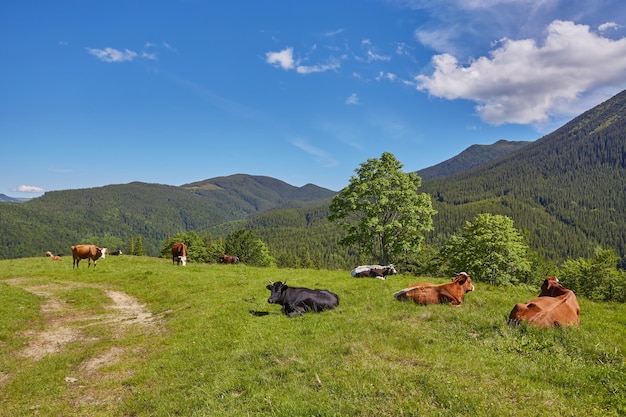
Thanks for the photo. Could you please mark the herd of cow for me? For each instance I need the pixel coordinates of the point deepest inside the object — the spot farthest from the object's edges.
(94, 252)
(556, 306)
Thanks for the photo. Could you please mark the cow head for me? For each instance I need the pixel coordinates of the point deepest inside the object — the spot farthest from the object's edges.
(183, 260)
(465, 281)
(278, 291)
(104, 251)
(552, 288)
(391, 270)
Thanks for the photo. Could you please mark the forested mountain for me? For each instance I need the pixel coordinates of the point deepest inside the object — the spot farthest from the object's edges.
(471, 157)
(111, 215)
(242, 195)
(567, 189)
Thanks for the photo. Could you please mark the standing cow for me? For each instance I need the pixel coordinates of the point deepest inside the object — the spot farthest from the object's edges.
(296, 301)
(179, 253)
(89, 252)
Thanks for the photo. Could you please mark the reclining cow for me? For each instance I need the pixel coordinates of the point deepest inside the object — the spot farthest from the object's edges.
(556, 306)
(424, 293)
(296, 301)
(373, 271)
(229, 259)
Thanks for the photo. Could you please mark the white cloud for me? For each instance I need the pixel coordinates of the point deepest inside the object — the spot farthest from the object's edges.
(308, 69)
(608, 25)
(319, 155)
(526, 82)
(353, 99)
(29, 189)
(386, 76)
(282, 59)
(371, 55)
(112, 54)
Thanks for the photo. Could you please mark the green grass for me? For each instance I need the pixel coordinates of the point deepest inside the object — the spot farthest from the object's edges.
(372, 356)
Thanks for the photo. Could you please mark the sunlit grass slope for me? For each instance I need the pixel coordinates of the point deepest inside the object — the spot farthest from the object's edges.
(372, 356)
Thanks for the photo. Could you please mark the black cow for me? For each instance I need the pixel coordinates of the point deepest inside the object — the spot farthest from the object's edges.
(297, 301)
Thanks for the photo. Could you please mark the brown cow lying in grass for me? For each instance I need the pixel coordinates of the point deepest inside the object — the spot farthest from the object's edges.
(556, 306)
(425, 293)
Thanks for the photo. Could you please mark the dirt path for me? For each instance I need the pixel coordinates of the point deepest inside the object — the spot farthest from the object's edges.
(65, 324)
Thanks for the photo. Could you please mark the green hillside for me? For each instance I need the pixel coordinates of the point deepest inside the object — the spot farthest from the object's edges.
(567, 188)
(111, 215)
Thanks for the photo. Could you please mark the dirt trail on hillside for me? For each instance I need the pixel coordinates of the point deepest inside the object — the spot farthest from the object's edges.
(65, 324)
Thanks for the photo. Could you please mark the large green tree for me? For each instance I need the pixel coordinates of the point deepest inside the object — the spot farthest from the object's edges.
(490, 249)
(248, 247)
(381, 210)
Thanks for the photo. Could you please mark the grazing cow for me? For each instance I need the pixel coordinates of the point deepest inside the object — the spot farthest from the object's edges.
(556, 306)
(296, 301)
(228, 259)
(425, 293)
(373, 271)
(89, 252)
(116, 253)
(179, 253)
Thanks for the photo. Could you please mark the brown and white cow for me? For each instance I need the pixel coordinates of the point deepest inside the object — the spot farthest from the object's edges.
(179, 253)
(89, 252)
(53, 257)
(424, 293)
(556, 306)
(373, 271)
(229, 259)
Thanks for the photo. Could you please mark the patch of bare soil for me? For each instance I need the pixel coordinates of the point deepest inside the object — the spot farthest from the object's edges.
(64, 324)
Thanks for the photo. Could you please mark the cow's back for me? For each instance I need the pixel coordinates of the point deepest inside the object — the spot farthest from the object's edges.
(315, 300)
(547, 311)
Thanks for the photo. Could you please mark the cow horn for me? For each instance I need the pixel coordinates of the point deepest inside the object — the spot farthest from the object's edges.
(271, 282)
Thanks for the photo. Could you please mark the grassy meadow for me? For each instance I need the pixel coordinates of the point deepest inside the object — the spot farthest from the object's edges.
(138, 336)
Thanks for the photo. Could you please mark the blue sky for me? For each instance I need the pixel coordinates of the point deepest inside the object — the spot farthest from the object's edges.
(171, 92)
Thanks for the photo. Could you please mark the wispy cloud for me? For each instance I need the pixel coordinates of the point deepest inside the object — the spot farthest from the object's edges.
(353, 99)
(284, 59)
(320, 156)
(127, 55)
(28, 189)
(309, 69)
(609, 25)
(386, 76)
(112, 54)
(370, 53)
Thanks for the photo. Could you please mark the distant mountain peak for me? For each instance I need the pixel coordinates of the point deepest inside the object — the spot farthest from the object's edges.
(471, 157)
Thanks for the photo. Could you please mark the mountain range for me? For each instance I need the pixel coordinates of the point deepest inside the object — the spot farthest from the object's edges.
(565, 190)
